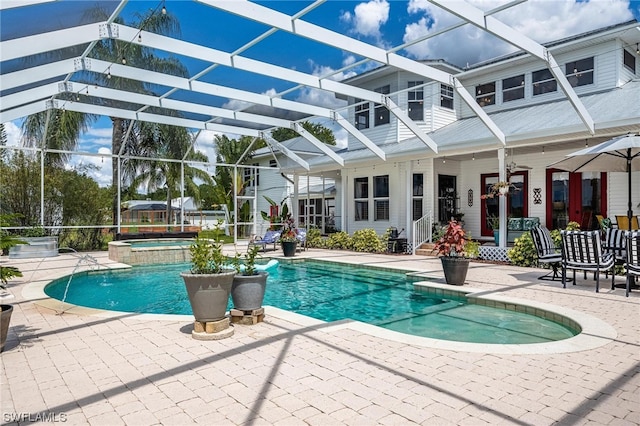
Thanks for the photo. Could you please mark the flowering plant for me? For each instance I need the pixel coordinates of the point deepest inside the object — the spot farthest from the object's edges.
(289, 232)
(498, 189)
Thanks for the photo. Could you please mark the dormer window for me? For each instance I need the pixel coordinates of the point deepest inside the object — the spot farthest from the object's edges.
(381, 112)
(580, 73)
(415, 98)
(629, 60)
(513, 88)
(446, 96)
(362, 114)
(543, 82)
(486, 94)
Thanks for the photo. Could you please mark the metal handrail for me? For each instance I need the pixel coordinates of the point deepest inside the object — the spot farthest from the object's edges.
(421, 231)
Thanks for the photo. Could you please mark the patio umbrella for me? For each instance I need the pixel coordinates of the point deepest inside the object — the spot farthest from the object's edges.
(620, 154)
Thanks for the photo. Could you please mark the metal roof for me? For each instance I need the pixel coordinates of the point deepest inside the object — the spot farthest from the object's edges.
(51, 59)
(617, 111)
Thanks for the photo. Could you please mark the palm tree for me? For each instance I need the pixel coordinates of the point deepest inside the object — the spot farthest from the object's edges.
(172, 143)
(114, 50)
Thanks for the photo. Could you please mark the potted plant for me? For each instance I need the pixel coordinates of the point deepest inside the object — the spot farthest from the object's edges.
(453, 254)
(6, 273)
(493, 222)
(289, 237)
(247, 291)
(208, 283)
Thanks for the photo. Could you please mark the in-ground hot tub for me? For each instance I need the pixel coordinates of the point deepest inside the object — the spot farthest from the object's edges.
(151, 251)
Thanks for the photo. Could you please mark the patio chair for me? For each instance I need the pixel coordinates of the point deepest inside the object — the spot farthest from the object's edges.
(632, 264)
(623, 222)
(301, 236)
(269, 238)
(583, 250)
(547, 252)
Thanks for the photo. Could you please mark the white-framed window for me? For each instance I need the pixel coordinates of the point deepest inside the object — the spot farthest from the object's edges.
(361, 198)
(446, 96)
(252, 176)
(273, 163)
(380, 111)
(513, 88)
(629, 60)
(486, 94)
(580, 73)
(362, 114)
(415, 100)
(418, 194)
(381, 197)
(543, 82)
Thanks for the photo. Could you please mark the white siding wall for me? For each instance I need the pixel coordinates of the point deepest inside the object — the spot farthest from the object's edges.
(607, 56)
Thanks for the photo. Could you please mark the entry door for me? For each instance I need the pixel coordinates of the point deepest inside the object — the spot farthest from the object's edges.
(575, 197)
(447, 198)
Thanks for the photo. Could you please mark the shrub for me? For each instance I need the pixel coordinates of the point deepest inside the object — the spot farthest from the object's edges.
(523, 252)
(314, 238)
(366, 240)
(339, 240)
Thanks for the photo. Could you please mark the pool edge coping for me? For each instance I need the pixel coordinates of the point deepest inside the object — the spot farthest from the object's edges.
(594, 331)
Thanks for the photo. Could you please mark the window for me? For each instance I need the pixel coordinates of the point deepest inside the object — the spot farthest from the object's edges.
(362, 115)
(381, 197)
(513, 88)
(629, 60)
(361, 196)
(381, 112)
(252, 176)
(446, 96)
(273, 163)
(486, 94)
(415, 100)
(418, 192)
(543, 82)
(580, 73)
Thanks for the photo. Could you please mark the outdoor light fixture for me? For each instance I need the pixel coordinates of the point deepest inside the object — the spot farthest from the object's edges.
(637, 49)
(124, 61)
(109, 74)
(164, 10)
(473, 157)
(140, 37)
(444, 160)
(542, 149)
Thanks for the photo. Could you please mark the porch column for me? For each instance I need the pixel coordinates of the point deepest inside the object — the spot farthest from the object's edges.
(294, 202)
(502, 201)
(408, 228)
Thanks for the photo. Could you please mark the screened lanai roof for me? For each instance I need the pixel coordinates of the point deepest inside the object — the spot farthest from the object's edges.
(53, 57)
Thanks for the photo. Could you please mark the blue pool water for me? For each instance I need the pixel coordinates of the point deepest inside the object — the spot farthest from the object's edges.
(324, 291)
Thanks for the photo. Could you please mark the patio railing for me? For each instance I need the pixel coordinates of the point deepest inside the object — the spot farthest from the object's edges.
(421, 231)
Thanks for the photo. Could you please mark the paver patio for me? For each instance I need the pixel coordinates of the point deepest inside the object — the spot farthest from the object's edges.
(144, 369)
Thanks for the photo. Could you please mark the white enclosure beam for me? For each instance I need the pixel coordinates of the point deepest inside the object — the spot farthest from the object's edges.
(287, 23)
(286, 151)
(358, 135)
(321, 146)
(34, 74)
(46, 42)
(477, 17)
(411, 125)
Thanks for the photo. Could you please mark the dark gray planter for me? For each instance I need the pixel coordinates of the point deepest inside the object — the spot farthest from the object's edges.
(455, 269)
(7, 310)
(247, 291)
(208, 294)
(289, 248)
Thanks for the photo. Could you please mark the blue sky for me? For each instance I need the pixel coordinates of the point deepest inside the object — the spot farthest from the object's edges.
(380, 22)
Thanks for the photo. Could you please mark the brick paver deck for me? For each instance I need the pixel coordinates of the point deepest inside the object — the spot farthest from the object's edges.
(137, 369)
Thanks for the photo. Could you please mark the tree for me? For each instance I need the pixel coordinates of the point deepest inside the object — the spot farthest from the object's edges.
(323, 134)
(115, 50)
(171, 143)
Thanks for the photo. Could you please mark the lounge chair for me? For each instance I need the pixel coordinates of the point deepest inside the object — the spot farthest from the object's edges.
(301, 236)
(269, 238)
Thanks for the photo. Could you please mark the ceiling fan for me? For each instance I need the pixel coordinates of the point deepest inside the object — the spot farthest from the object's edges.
(512, 166)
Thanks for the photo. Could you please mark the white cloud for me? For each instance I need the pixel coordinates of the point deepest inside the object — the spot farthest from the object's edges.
(13, 132)
(367, 18)
(540, 20)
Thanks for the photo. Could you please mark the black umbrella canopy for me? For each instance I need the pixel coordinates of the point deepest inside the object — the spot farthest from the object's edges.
(620, 154)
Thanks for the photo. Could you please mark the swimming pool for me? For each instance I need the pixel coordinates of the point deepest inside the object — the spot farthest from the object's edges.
(325, 291)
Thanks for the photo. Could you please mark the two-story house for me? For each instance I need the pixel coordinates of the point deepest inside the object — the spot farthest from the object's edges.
(540, 124)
